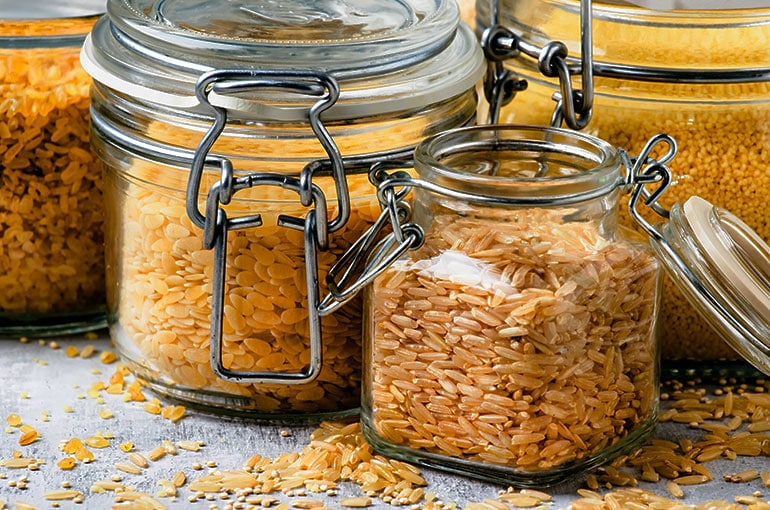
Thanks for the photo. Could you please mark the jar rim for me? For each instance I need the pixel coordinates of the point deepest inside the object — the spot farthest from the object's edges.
(681, 46)
(596, 163)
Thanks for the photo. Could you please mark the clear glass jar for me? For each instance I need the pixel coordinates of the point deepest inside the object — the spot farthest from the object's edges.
(707, 87)
(51, 211)
(405, 70)
(519, 342)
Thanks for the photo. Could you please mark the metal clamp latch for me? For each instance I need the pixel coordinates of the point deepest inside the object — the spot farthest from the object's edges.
(315, 226)
(573, 107)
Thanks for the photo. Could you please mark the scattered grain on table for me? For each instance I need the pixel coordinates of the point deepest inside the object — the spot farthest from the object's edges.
(337, 453)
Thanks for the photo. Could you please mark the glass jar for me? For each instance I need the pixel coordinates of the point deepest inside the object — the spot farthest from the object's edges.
(700, 76)
(51, 244)
(519, 342)
(271, 103)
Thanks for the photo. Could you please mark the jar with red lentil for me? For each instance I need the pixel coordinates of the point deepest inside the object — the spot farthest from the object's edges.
(699, 75)
(248, 128)
(51, 244)
(511, 328)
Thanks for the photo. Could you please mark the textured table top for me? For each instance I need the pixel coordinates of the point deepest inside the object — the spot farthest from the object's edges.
(49, 391)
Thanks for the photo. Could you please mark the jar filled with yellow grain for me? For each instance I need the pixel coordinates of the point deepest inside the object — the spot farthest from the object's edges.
(235, 138)
(51, 212)
(512, 323)
(697, 71)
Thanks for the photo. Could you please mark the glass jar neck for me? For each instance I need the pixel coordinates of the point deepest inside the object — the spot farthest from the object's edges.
(520, 165)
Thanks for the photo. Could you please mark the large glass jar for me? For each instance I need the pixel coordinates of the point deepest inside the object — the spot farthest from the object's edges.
(404, 70)
(699, 75)
(519, 342)
(51, 246)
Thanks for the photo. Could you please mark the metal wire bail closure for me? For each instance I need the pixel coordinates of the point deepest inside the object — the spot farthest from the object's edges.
(573, 106)
(216, 224)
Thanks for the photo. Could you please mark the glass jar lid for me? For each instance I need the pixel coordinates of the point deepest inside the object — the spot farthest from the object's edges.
(723, 268)
(388, 55)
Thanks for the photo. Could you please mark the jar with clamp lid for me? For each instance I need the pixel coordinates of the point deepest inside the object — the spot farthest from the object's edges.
(51, 245)
(511, 329)
(235, 139)
(698, 71)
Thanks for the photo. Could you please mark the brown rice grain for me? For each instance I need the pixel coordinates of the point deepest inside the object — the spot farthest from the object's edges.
(515, 364)
(356, 502)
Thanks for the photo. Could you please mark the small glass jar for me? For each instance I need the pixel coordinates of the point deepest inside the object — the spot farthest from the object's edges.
(241, 95)
(51, 211)
(519, 342)
(699, 75)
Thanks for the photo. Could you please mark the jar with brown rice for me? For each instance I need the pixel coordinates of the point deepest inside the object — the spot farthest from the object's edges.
(519, 342)
(51, 211)
(699, 75)
(404, 70)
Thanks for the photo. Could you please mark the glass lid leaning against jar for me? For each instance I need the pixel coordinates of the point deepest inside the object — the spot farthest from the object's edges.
(511, 324)
(51, 219)
(696, 70)
(235, 138)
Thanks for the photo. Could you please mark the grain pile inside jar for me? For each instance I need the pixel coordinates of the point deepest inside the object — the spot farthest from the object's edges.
(165, 298)
(51, 244)
(523, 341)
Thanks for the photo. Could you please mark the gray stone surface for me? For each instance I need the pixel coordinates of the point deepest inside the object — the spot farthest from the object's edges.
(50, 381)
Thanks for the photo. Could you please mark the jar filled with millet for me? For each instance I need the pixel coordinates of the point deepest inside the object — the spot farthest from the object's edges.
(51, 211)
(698, 75)
(235, 140)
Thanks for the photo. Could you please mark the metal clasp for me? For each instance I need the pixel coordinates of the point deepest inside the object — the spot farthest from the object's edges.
(573, 107)
(644, 170)
(361, 263)
(315, 225)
